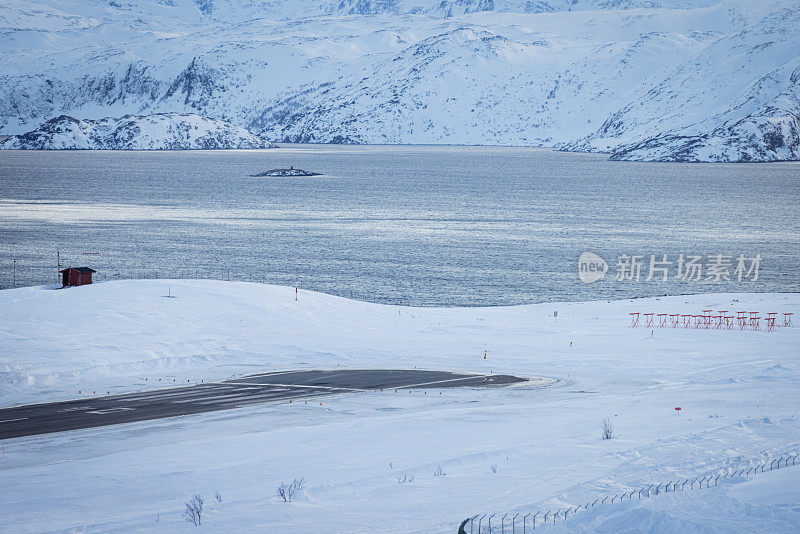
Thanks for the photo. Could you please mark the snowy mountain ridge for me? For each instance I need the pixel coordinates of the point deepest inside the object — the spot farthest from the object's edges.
(162, 131)
(638, 79)
(224, 9)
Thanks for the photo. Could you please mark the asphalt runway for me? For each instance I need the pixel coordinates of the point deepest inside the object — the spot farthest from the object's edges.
(34, 419)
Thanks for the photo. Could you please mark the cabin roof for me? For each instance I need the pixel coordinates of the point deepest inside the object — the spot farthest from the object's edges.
(79, 269)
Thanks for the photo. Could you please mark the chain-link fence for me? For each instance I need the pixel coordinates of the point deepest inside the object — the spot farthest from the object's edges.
(499, 524)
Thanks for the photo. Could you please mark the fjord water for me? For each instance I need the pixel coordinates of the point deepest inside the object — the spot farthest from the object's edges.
(418, 225)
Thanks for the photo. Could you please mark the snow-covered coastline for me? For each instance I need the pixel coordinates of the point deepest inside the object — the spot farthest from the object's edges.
(697, 80)
(502, 450)
(160, 131)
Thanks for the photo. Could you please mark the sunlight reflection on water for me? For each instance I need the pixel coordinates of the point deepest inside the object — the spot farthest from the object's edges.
(420, 225)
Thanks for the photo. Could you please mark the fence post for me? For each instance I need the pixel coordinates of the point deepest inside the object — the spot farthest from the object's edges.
(480, 520)
(503, 524)
(715, 480)
(490, 523)
(514, 524)
(534, 520)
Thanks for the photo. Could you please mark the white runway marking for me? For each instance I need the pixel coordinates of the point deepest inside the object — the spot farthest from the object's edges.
(335, 388)
(110, 410)
(156, 395)
(10, 420)
(441, 381)
(231, 396)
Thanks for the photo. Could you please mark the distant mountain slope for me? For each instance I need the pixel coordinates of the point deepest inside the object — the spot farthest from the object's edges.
(737, 100)
(636, 78)
(772, 133)
(167, 131)
(240, 9)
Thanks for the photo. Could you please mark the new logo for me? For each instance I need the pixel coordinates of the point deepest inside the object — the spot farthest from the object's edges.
(591, 267)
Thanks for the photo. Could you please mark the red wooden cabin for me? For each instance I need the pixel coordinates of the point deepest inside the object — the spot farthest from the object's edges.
(76, 276)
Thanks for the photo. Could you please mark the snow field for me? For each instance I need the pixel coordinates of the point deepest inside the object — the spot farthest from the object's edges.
(526, 448)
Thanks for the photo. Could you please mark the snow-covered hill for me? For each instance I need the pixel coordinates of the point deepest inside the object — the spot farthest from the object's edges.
(500, 450)
(161, 131)
(703, 80)
(770, 133)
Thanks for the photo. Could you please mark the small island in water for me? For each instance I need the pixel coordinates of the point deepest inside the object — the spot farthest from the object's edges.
(291, 171)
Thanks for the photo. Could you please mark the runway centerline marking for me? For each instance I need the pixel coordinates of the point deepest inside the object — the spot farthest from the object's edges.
(336, 388)
(442, 381)
(110, 410)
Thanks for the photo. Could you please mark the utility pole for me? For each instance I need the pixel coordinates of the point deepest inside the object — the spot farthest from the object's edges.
(58, 265)
(15, 273)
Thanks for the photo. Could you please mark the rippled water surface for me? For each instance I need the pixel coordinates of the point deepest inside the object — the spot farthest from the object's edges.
(418, 225)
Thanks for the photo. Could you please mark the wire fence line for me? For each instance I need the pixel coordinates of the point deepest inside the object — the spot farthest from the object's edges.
(519, 523)
(20, 274)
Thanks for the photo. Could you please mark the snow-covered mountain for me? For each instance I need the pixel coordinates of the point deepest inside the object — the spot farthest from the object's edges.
(229, 10)
(707, 80)
(161, 131)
